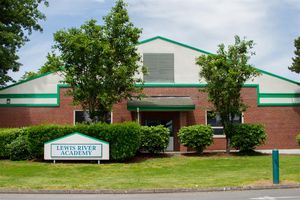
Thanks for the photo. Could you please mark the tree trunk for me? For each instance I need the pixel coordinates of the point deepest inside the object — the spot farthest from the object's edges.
(227, 145)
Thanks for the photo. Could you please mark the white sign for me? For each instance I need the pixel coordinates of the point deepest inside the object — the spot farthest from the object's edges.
(76, 146)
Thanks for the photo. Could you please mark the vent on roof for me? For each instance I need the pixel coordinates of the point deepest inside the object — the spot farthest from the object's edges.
(160, 67)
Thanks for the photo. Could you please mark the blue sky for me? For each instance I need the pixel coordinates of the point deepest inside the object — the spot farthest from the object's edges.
(272, 24)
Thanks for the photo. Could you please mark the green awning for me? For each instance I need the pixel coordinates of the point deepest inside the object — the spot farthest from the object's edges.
(161, 104)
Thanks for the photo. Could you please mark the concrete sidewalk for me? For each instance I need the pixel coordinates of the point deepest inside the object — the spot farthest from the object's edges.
(267, 151)
(281, 151)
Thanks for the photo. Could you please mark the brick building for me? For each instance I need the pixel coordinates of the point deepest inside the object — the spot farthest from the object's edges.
(173, 99)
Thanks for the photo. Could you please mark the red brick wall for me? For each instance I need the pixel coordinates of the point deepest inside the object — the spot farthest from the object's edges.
(282, 123)
(25, 116)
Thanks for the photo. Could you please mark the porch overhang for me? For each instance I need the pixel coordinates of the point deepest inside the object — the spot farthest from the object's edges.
(161, 104)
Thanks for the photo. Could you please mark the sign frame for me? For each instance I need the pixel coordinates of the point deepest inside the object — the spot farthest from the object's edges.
(76, 143)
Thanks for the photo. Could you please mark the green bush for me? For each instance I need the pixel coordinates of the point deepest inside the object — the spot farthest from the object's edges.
(246, 137)
(38, 135)
(124, 139)
(7, 135)
(19, 148)
(154, 139)
(298, 139)
(196, 136)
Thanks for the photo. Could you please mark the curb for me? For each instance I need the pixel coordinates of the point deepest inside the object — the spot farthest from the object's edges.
(146, 191)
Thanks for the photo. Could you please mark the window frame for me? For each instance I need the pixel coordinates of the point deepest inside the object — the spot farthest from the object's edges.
(220, 127)
(78, 110)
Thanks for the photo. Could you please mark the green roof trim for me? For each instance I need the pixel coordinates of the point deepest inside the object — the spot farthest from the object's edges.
(182, 85)
(171, 85)
(46, 95)
(278, 104)
(162, 108)
(76, 133)
(279, 95)
(174, 42)
(29, 105)
(206, 52)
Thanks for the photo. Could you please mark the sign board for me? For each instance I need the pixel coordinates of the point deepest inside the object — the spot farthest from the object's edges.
(76, 146)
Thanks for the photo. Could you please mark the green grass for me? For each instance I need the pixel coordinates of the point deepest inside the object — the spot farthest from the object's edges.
(167, 172)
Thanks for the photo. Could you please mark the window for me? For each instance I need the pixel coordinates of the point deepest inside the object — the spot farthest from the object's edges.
(214, 119)
(160, 67)
(80, 116)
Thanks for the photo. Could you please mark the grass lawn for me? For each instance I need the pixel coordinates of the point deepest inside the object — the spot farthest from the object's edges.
(161, 172)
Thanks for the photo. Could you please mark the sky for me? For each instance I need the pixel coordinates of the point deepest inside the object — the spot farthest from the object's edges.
(204, 24)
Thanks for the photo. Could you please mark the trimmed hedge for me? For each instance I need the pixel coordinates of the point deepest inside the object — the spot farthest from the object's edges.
(246, 137)
(124, 139)
(196, 136)
(7, 136)
(154, 139)
(298, 139)
(19, 148)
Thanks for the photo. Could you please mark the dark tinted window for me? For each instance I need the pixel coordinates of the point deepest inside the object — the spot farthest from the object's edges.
(214, 120)
(81, 116)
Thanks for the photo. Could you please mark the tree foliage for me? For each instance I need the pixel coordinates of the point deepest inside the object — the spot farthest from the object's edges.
(100, 61)
(225, 74)
(53, 64)
(18, 18)
(296, 60)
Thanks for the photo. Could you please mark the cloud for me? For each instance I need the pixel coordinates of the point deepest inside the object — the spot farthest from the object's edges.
(32, 56)
(273, 25)
(72, 7)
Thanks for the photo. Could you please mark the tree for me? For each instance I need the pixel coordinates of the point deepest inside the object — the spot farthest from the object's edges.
(53, 64)
(296, 60)
(225, 74)
(17, 20)
(100, 61)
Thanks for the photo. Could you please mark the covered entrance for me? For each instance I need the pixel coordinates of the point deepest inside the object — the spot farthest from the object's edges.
(170, 112)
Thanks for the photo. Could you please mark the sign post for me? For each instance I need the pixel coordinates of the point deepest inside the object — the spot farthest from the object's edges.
(275, 164)
(76, 146)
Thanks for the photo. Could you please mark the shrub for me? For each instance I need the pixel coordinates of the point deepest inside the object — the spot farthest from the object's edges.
(154, 139)
(19, 148)
(246, 137)
(38, 135)
(197, 136)
(6, 137)
(124, 139)
(298, 139)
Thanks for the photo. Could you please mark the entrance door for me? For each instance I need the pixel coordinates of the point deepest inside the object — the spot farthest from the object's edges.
(166, 123)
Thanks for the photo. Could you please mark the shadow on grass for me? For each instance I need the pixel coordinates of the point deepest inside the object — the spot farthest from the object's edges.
(223, 154)
(141, 157)
(250, 153)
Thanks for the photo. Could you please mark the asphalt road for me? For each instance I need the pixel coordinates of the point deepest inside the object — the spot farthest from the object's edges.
(277, 194)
